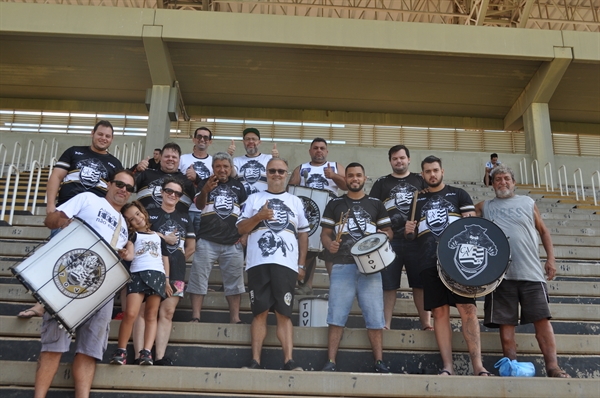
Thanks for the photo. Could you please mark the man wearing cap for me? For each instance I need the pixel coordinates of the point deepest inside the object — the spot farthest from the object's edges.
(251, 168)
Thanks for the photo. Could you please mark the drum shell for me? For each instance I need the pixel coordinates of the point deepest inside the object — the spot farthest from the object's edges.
(312, 311)
(377, 258)
(37, 273)
(314, 201)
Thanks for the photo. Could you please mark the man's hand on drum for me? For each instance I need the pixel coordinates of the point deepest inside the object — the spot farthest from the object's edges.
(334, 246)
(410, 228)
(389, 233)
(168, 289)
(550, 269)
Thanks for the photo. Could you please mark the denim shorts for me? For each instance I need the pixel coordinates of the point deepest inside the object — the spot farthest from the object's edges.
(346, 283)
(231, 262)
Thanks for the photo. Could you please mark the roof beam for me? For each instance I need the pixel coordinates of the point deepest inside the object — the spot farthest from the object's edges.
(540, 88)
(158, 56)
(525, 13)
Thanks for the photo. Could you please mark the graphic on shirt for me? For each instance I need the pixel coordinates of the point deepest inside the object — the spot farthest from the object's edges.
(471, 248)
(282, 214)
(317, 181)
(250, 189)
(91, 170)
(402, 195)
(252, 170)
(79, 273)
(155, 188)
(362, 217)
(270, 242)
(148, 247)
(168, 228)
(224, 199)
(312, 213)
(436, 214)
(201, 169)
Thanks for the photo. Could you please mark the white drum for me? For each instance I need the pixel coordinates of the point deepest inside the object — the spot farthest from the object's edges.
(313, 311)
(373, 253)
(314, 201)
(73, 275)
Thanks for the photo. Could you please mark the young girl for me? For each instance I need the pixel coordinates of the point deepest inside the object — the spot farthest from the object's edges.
(149, 271)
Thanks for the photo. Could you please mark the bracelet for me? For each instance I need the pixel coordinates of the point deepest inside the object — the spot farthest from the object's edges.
(300, 266)
(166, 277)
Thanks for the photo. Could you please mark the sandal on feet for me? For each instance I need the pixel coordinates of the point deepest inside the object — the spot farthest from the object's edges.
(195, 320)
(444, 372)
(557, 372)
(484, 373)
(29, 313)
(428, 328)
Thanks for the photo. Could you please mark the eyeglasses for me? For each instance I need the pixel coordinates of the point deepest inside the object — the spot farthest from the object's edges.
(277, 171)
(203, 137)
(170, 191)
(120, 184)
(248, 139)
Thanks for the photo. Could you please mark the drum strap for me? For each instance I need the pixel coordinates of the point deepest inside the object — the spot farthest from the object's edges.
(354, 216)
(115, 237)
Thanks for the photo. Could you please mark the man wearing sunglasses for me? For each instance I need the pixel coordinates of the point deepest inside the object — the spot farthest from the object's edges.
(103, 215)
(277, 244)
(220, 198)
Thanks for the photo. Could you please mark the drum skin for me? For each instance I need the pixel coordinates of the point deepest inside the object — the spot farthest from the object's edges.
(373, 253)
(314, 202)
(473, 256)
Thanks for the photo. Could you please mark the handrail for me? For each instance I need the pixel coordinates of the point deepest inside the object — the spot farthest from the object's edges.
(548, 166)
(11, 167)
(17, 144)
(53, 161)
(54, 149)
(564, 169)
(3, 159)
(534, 174)
(575, 183)
(523, 168)
(140, 152)
(30, 144)
(131, 155)
(125, 154)
(35, 164)
(597, 174)
(43, 152)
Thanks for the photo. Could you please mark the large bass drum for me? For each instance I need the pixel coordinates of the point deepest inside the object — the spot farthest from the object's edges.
(473, 256)
(73, 275)
(314, 201)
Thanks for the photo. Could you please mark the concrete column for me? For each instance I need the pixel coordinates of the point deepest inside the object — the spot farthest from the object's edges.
(538, 135)
(159, 124)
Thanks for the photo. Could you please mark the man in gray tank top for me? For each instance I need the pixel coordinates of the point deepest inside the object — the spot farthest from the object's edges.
(525, 280)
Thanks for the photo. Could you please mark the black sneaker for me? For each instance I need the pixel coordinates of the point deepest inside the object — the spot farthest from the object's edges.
(146, 358)
(119, 357)
(164, 361)
(380, 367)
(329, 367)
(253, 365)
(291, 365)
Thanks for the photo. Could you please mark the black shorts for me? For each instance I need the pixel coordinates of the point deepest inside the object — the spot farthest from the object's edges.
(407, 256)
(436, 294)
(149, 283)
(502, 305)
(271, 287)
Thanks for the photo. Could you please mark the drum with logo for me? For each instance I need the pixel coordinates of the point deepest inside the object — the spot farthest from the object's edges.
(473, 256)
(312, 311)
(373, 253)
(73, 275)
(314, 201)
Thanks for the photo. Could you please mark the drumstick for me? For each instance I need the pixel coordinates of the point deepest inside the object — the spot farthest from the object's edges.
(343, 220)
(411, 235)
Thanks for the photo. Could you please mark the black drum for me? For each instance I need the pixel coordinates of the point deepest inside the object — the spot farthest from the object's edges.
(473, 256)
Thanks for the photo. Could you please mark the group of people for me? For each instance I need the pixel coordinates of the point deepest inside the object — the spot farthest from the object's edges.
(226, 209)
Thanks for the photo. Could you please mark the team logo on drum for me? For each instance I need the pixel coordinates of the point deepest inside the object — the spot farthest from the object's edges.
(79, 273)
(366, 245)
(252, 170)
(472, 247)
(281, 212)
(223, 198)
(90, 172)
(312, 213)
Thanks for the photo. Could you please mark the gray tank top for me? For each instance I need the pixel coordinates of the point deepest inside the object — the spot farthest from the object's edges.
(515, 217)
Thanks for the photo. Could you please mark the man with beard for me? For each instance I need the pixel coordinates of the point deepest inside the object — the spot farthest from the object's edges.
(318, 174)
(149, 182)
(251, 169)
(103, 215)
(436, 209)
(80, 169)
(220, 198)
(366, 216)
(277, 244)
(396, 191)
(525, 280)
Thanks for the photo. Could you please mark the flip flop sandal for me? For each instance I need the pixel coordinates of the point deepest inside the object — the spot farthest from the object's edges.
(557, 372)
(442, 371)
(428, 328)
(195, 320)
(28, 313)
(485, 373)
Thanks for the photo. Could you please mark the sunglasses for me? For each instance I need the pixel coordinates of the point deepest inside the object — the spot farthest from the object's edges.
(170, 191)
(277, 171)
(203, 138)
(120, 184)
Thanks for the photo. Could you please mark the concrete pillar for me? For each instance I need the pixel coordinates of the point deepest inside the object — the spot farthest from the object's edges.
(538, 135)
(159, 124)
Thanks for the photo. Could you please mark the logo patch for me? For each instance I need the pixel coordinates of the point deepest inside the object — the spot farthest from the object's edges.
(288, 299)
(79, 273)
(472, 247)
(312, 213)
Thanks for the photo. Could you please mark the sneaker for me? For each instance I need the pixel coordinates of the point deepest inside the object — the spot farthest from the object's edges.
(164, 361)
(253, 365)
(136, 361)
(329, 367)
(146, 358)
(291, 365)
(119, 357)
(380, 367)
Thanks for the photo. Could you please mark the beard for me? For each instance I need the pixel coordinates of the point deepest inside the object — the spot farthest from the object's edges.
(251, 151)
(400, 169)
(357, 189)
(503, 193)
(435, 184)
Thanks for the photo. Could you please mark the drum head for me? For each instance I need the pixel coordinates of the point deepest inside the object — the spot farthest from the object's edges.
(473, 251)
(369, 244)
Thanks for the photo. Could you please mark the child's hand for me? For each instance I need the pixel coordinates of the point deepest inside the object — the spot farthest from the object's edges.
(168, 290)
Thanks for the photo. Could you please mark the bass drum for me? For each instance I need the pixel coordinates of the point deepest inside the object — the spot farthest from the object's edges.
(314, 201)
(473, 256)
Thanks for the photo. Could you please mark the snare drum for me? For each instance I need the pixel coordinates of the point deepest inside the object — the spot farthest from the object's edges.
(73, 275)
(373, 253)
(473, 256)
(314, 201)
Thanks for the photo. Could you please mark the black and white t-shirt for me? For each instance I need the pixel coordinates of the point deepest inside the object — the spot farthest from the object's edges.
(252, 172)
(149, 249)
(149, 189)
(202, 167)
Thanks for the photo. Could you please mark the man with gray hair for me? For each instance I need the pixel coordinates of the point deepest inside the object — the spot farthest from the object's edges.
(525, 280)
(219, 197)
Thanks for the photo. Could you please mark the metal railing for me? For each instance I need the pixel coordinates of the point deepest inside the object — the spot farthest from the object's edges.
(597, 174)
(16, 153)
(3, 159)
(566, 191)
(535, 171)
(34, 165)
(30, 150)
(43, 152)
(11, 168)
(548, 170)
(575, 184)
(523, 170)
